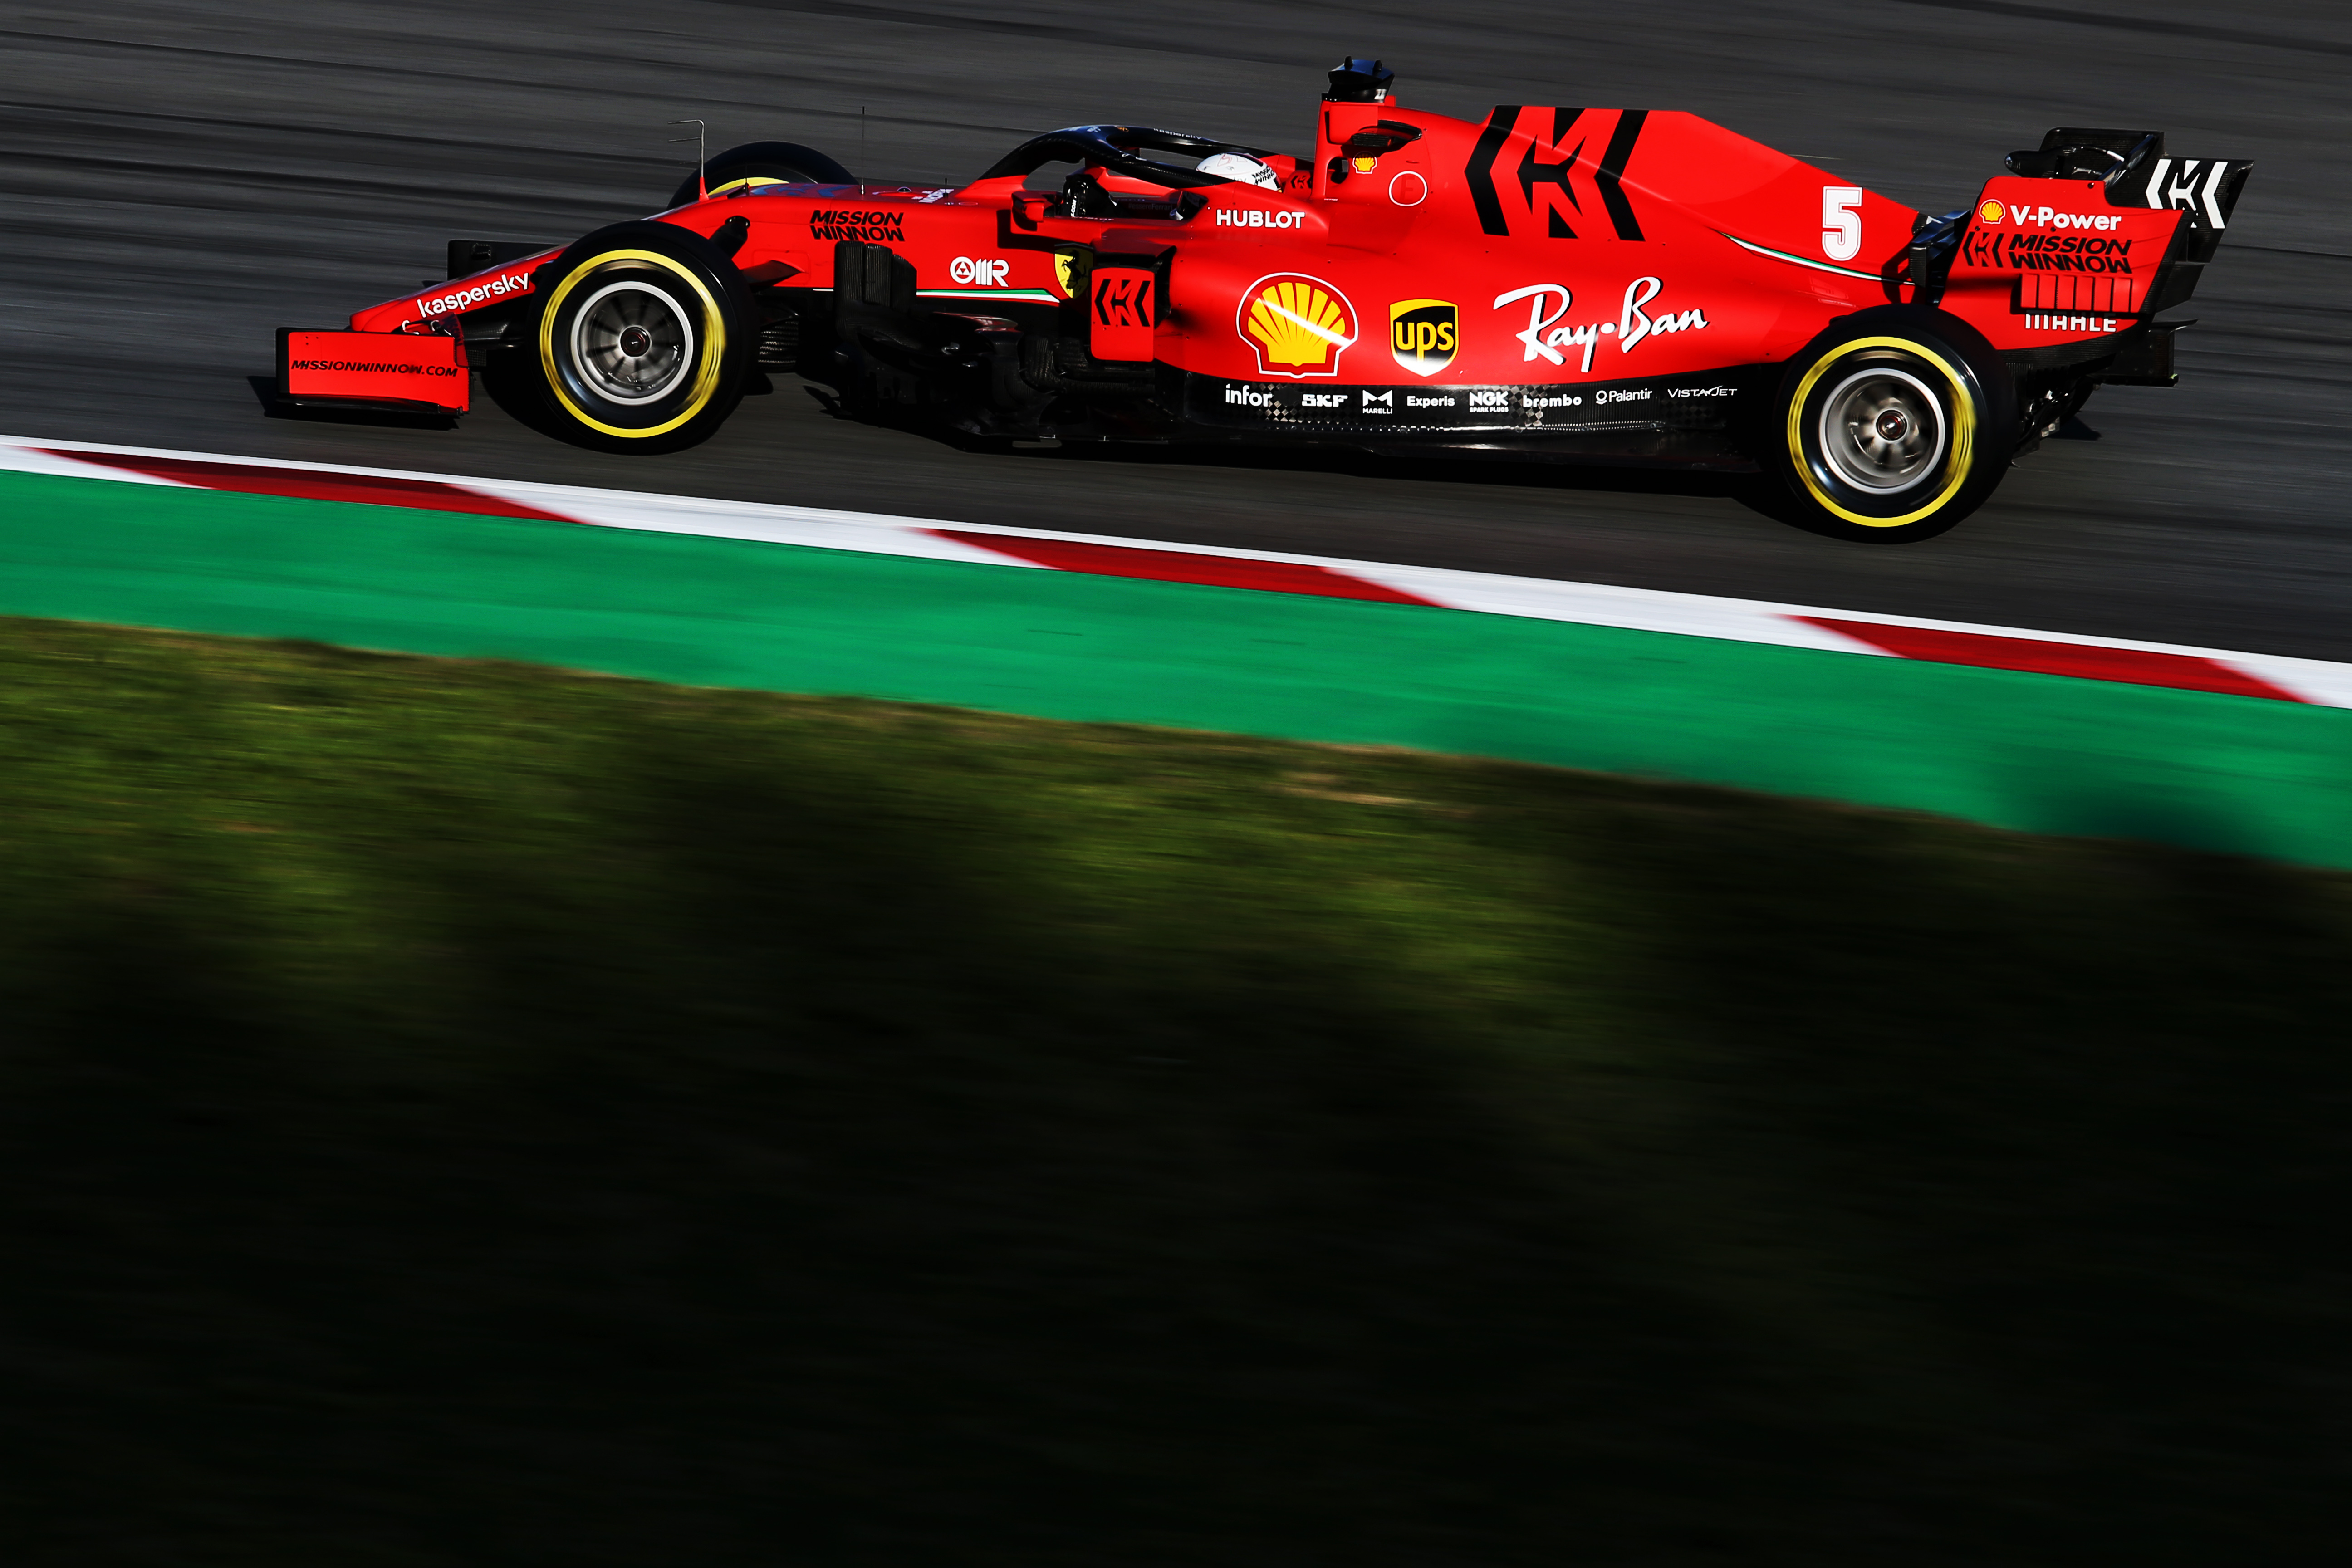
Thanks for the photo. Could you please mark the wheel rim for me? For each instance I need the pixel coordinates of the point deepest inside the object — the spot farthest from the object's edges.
(1881, 430)
(632, 342)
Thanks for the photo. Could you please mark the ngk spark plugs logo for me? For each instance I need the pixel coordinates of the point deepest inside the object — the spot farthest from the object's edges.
(1299, 325)
(1547, 339)
(1423, 334)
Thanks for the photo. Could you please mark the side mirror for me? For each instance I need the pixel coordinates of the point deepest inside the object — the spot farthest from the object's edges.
(1382, 136)
(1364, 148)
(1359, 81)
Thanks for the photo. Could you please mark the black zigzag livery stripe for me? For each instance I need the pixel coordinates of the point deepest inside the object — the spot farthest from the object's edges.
(1611, 173)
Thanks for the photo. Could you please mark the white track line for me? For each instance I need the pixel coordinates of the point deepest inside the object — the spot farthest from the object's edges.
(2315, 681)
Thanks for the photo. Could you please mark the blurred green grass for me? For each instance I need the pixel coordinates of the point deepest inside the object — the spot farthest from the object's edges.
(460, 1114)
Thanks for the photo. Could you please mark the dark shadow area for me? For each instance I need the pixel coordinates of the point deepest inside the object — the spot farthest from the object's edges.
(2050, 1102)
(1754, 491)
(509, 380)
(265, 392)
(1513, 471)
(464, 1113)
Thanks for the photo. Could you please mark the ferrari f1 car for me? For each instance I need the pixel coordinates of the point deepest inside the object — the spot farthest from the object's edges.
(1594, 285)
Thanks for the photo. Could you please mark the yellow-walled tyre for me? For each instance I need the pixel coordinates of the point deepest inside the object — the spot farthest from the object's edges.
(757, 164)
(1891, 426)
(640, 340)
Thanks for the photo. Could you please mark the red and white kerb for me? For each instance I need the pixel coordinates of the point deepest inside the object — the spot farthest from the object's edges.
(2266, 676)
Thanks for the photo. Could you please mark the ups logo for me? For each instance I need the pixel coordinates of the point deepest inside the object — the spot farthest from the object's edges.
(1423, 334)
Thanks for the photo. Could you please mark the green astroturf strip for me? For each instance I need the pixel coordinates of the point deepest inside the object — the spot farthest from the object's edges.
(2038, 752)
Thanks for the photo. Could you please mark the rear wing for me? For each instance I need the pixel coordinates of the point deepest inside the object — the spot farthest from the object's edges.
(2137, 173)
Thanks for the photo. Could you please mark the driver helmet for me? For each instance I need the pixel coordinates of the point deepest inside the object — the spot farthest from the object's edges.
(1234, 167)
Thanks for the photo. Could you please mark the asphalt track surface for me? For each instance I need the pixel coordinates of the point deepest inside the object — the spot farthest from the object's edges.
(180, 180)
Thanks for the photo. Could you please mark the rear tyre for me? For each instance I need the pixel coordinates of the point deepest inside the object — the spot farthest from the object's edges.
(1891, 426)
(757, 164)
(641, 342)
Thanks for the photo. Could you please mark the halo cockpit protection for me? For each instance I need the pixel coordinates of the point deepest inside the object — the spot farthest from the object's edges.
(1547, 283)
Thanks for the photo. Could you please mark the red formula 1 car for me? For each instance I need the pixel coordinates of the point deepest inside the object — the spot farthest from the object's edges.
(1618, 285)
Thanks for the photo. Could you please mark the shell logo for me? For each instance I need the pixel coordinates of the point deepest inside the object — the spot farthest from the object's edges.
(1991, 212)
(1299, 325)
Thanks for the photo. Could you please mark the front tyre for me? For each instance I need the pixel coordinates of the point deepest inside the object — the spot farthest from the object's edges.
(757, 164)
(1892, 426)
(641, 341)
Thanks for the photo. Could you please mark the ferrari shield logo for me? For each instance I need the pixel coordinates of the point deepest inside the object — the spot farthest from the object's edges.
(1299, 325)
(1062, 272)
(1423, 334)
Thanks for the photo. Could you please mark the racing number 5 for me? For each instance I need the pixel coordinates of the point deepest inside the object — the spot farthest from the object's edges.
(1840, 224)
